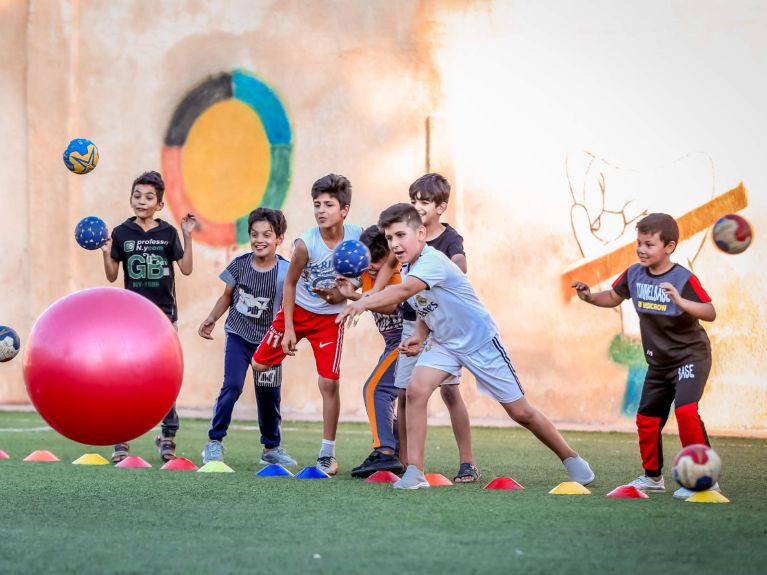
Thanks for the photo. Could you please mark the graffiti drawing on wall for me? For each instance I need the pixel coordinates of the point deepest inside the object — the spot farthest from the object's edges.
(227, 150)
(607, 202)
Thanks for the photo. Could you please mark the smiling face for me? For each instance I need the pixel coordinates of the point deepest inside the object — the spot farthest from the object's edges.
(405, 242)
(263, 239)
(429, 210)
(652, 253)
(328, 211)
(144, 201)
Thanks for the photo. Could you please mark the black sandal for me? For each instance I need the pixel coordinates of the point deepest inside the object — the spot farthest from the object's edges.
(467, 473)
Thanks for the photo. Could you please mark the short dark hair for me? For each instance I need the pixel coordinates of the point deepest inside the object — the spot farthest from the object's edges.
(374, 238)
(430, 188)
(399, 213)
(153, 179)
(274, 218)
(336, 186)
(660, 223)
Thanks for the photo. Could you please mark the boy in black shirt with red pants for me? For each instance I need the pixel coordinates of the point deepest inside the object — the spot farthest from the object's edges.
(669, 300)
(147, 248)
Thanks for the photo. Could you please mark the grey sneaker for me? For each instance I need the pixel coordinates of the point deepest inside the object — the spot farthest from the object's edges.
(579, 470)
(644, 483)
(328, 464)
(214, 451)
(277, 456)
(412, 479)
(684, 493)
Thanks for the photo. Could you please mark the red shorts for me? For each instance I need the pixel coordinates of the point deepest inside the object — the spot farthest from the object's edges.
(322, 331)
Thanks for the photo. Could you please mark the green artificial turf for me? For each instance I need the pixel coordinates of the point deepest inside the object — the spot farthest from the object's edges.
(64, 518)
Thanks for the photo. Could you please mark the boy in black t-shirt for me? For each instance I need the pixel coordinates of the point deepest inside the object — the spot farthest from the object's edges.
(147, 248)
(670, 302)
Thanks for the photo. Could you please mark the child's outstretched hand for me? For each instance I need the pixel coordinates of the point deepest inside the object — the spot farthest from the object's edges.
(188, 223)
(206, 328)
(671, 292)
(582, 290)
(346, 287)
(107, 246)
(351, 313)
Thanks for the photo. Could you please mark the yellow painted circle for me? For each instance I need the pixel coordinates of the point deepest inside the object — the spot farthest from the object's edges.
(226, 161)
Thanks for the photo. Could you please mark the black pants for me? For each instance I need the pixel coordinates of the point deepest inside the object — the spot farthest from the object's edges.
(682, 385)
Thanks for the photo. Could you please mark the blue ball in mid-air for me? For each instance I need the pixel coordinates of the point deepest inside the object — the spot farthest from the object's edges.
(91, 233)
(81, 156)
(351, 258)
(9, 343)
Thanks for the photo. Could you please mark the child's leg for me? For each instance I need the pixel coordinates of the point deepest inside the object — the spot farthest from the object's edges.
(530, 418)
(268, 397)
(380, 395)
(402, 425)
(237, 355)
(653, 412)
(459, 420)
(331, 406)
(170, 423)
(690, 382)
(269, 352)
(423, 383)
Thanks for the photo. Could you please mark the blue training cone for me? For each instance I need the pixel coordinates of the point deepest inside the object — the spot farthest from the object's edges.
(274, 470)
(312, 473)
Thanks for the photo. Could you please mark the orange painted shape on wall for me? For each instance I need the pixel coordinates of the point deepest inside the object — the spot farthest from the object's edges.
(226, 161)
(613, 263)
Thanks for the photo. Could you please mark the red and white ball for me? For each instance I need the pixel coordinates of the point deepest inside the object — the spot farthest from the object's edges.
(697, 467)
(732, 234)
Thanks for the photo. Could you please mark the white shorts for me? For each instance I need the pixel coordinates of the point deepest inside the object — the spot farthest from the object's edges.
(406, 363)
(490, 365)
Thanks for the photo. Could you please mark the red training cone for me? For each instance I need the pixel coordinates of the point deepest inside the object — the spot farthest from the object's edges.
(506, 483)
(437, 479)
(133, 461)
(41, 455)
(4, 455)
(179, 464)
(627, 492)
(382, 477)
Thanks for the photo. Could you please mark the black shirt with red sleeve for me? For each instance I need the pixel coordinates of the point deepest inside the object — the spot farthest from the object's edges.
(670, 336)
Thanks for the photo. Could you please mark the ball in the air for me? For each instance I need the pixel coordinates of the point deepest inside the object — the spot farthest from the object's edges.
(351, 258)
(81, 156)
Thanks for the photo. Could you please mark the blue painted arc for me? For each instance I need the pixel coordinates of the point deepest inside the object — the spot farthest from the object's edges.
(265, 103)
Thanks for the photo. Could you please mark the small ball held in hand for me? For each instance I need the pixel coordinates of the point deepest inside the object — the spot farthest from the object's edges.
(351, 258)
(91, 233)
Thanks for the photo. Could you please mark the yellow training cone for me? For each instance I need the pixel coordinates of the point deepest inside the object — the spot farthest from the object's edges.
(215, 467)
(708, 496)
(90, 459)
(570, 488)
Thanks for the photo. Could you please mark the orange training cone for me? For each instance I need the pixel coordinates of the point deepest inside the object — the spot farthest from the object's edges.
(133, 461)
(437, 479)
(506, 483)
(627, 492)
(4, 455)
(179, 464)
(382, 477)
(41, 455)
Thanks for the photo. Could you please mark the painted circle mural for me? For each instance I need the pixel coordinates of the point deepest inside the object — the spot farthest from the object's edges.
(227, 151)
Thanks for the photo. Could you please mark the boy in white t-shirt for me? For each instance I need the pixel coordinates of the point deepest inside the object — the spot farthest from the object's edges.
(310, 303)
(460, 333)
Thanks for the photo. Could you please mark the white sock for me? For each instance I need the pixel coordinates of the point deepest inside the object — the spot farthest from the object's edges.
(328, 448)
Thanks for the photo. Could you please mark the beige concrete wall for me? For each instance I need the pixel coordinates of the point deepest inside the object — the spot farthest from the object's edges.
(666, 98)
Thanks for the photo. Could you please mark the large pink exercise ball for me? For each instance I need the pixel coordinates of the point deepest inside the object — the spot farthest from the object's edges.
(103, 366)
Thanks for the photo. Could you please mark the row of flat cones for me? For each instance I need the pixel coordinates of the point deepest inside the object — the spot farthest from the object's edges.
(434, 479)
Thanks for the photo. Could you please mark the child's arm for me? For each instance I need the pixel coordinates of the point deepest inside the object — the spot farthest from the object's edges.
(392, 295)
(608, 298)
(188, 223)
(111, 266)
(460, 261)
(696, 309)
(297, 264)
(223, 303)
(349, 291)
(384, 275)
(414, 344)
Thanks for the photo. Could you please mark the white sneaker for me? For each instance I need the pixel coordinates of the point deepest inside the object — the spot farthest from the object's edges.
(579, 470)
(684, 493)
(328, 464)
(412, 479)
(644, 483)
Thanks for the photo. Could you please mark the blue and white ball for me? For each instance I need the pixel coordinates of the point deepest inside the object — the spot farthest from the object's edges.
(91, 233)
(351, 258)
(81, 156)
(9, 343)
